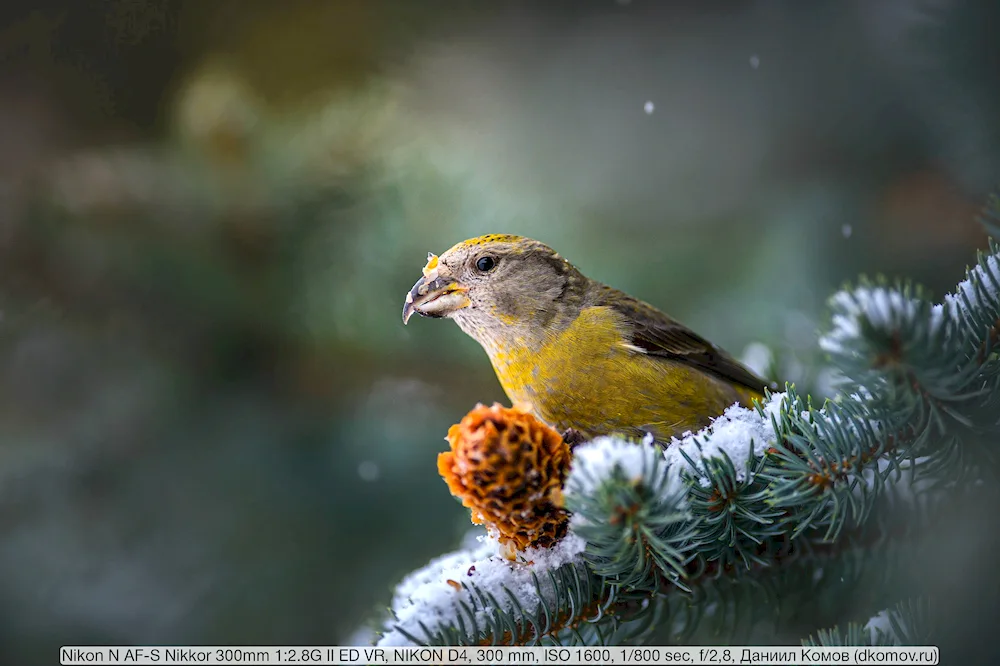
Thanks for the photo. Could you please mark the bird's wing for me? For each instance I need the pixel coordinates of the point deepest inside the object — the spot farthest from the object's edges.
(658, 335)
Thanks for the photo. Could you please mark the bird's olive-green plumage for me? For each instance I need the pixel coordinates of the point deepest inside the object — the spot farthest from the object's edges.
(577, 353)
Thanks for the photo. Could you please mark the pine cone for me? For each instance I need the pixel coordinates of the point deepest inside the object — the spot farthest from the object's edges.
(508, 468)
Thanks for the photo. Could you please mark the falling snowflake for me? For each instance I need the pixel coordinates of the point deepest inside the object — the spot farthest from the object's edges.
(368, 471)
(846, 230)
(754, 61)
(648, 108)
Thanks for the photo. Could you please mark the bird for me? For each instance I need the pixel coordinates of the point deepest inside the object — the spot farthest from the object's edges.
(585, 358)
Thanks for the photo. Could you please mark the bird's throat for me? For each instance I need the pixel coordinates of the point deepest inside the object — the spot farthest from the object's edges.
(518, 356)
(540, 372)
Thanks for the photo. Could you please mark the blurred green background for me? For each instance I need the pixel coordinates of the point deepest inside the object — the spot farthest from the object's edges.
(215, 428)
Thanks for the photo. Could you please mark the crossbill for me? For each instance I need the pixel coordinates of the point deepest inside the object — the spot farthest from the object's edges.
(585, 358)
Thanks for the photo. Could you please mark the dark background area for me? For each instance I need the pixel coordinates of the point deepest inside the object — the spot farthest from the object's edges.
(213, 426)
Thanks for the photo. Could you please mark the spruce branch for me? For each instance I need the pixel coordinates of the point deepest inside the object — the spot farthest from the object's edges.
(907, 623)
(976, 303)
(632, 515)
(894, 344)
(472, 597)
(659, 536)
(652, 525)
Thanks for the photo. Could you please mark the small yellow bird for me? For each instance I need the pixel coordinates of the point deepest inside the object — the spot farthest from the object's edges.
(585, 358)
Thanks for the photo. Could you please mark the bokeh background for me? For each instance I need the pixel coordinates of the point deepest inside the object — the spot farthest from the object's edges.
(214, 427)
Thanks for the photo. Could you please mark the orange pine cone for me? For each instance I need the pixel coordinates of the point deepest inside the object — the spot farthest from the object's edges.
(508, 468)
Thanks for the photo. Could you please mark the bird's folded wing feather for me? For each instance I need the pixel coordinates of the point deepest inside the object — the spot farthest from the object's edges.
(659, 335)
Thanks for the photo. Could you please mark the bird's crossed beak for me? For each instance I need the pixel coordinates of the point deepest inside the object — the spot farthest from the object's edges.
(435, 295)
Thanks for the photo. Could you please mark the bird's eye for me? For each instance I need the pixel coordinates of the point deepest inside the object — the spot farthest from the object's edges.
(485, 263)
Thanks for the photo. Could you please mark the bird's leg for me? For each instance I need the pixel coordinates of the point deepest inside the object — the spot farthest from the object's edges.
(572, 437)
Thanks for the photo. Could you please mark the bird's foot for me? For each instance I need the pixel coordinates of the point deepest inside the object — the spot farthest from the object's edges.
(572, 437)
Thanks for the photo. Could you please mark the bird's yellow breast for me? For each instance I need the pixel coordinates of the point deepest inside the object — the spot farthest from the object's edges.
(590, 378)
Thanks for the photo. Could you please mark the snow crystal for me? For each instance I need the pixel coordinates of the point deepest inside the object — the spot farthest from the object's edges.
(882, 621)
(846, 230)
(754, 61)
(473, 538)
(734, 433)
(648, 107)
(368, 470)
(956, 301)
(431, 595)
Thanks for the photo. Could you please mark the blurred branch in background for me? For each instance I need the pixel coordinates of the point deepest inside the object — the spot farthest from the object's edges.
(215, 428)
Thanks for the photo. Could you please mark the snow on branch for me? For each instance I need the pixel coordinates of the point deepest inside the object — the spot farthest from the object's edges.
(981, 287)
(739, 433)
(882, 309)
(431, 599)
(602, 459)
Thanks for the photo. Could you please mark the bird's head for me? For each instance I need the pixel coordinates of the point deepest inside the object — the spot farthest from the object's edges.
(495, 287)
